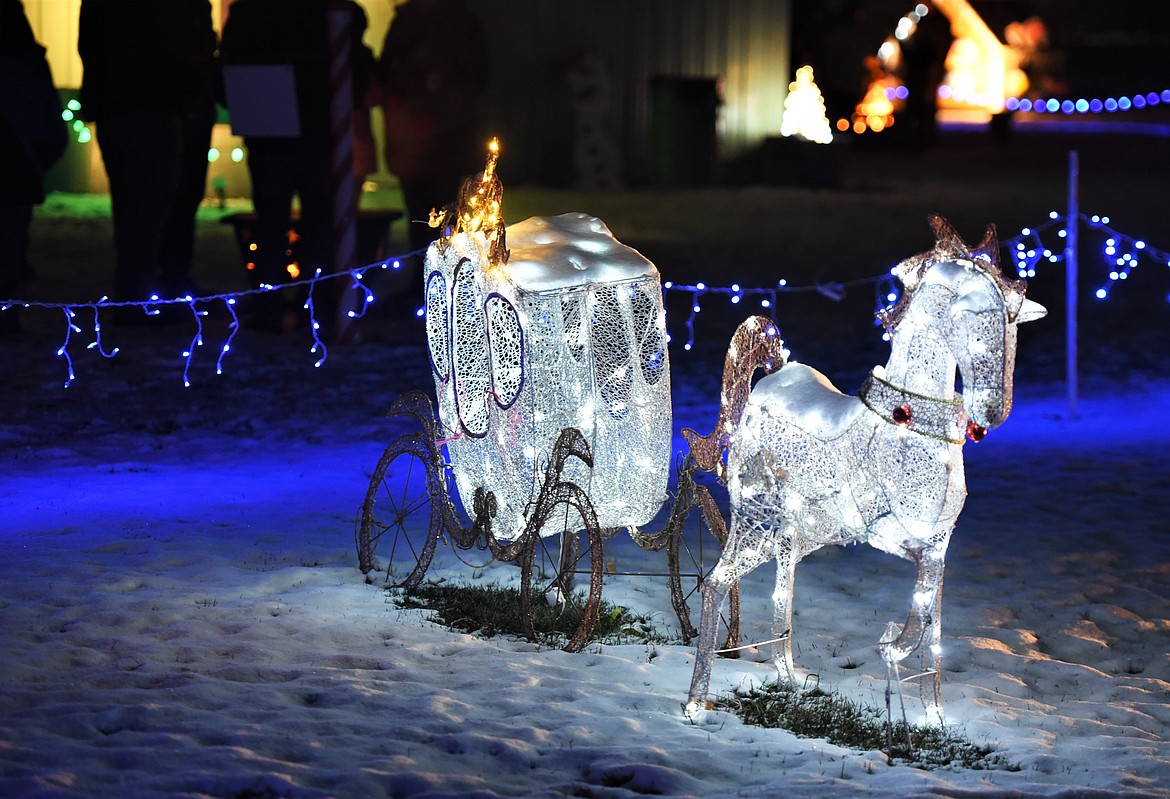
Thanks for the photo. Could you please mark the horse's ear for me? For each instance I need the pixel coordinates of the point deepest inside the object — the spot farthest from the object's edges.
(943, 232)
(989, 247)
(1030, 312)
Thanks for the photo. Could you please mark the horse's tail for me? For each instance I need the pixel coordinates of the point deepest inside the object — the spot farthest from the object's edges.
(755, 345)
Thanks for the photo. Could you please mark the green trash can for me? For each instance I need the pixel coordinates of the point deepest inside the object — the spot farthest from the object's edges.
(683, 113)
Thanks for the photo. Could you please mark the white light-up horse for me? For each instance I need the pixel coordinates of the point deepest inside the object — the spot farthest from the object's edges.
(808, 466)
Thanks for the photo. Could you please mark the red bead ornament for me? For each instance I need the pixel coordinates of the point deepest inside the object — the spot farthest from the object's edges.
(902, 415)
(975, 432)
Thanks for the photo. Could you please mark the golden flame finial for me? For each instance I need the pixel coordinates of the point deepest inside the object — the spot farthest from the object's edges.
(493, 156)
(479, 209)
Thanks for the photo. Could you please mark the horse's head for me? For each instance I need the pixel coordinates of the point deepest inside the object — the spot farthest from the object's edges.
(984, 316)
(976, 310)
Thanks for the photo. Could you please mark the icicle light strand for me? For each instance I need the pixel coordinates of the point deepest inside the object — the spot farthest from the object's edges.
(1120, 252)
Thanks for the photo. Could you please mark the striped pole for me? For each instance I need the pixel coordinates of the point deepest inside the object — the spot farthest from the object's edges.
(341, 107)
(344, 193)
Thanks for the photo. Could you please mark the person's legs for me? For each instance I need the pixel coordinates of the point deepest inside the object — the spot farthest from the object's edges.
(21, 189)
(15, 218)
(177, 254)
(141, 154)
(272, 165)
(315, 189)
(14, 222)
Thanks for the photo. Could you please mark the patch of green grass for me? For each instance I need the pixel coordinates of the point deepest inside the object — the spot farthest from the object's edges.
(816, 714)
(490, 610)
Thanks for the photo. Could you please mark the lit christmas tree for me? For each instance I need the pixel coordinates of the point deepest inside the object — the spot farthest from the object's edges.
(804, 110)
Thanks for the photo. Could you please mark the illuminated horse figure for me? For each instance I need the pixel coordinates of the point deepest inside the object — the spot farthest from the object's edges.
(808, 466)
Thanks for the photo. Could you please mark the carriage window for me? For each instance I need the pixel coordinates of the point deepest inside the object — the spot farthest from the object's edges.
(648, 333)
(611, 352)
(576, 335)
(506, 349)
(469, 358)
(438, 320)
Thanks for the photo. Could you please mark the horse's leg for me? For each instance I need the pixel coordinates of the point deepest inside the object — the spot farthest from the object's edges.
(714, 594)
(786, 560)
(927, 588)
(932, 661)
(733, 564)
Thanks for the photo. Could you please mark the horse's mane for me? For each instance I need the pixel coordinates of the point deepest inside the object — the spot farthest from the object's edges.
(949, 247)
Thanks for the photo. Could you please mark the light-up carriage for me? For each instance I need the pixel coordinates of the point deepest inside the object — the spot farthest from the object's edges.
(552, 375)
(550, 363)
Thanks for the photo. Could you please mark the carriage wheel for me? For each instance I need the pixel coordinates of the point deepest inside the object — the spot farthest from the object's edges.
(553, 610)
(710, 515)
(403, 512)
(554, 567)
(561, 508)
(679, 548)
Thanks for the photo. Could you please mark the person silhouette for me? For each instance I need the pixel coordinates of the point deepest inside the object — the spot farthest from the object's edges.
(434, 66)
(32, 138)
(148, 84)
(295, 161)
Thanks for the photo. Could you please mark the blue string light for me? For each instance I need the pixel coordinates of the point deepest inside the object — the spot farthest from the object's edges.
(1028, 249)
(234, 327)
(1122, 252)
(906, 28)
(314, 325)
(153, 307)
(1083, 105)
(1054, 105)
(97, 336)
(196, 341)
(736, 293)
(63, 350)
(765, 296)
(1119, 251)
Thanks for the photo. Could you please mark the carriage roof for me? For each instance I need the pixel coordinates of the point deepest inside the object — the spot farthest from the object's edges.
(560, 252)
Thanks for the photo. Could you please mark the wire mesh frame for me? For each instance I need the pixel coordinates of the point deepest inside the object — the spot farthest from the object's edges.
(444, 525)
(423, 446)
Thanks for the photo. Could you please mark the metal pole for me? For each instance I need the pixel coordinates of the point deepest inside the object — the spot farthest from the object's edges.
(1070, 261)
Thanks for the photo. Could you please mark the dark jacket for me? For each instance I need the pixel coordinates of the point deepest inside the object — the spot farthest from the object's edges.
(32, 133)
(435, 65)
(146, 55)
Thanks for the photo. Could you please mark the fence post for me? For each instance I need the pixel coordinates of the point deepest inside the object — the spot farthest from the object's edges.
(1072, 222)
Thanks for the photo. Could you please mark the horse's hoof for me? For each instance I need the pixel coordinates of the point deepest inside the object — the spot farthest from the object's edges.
(892, 654)
(935, 716)
(694, 707)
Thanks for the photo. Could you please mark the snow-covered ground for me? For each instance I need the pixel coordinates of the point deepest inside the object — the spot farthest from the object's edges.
(181, 612)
